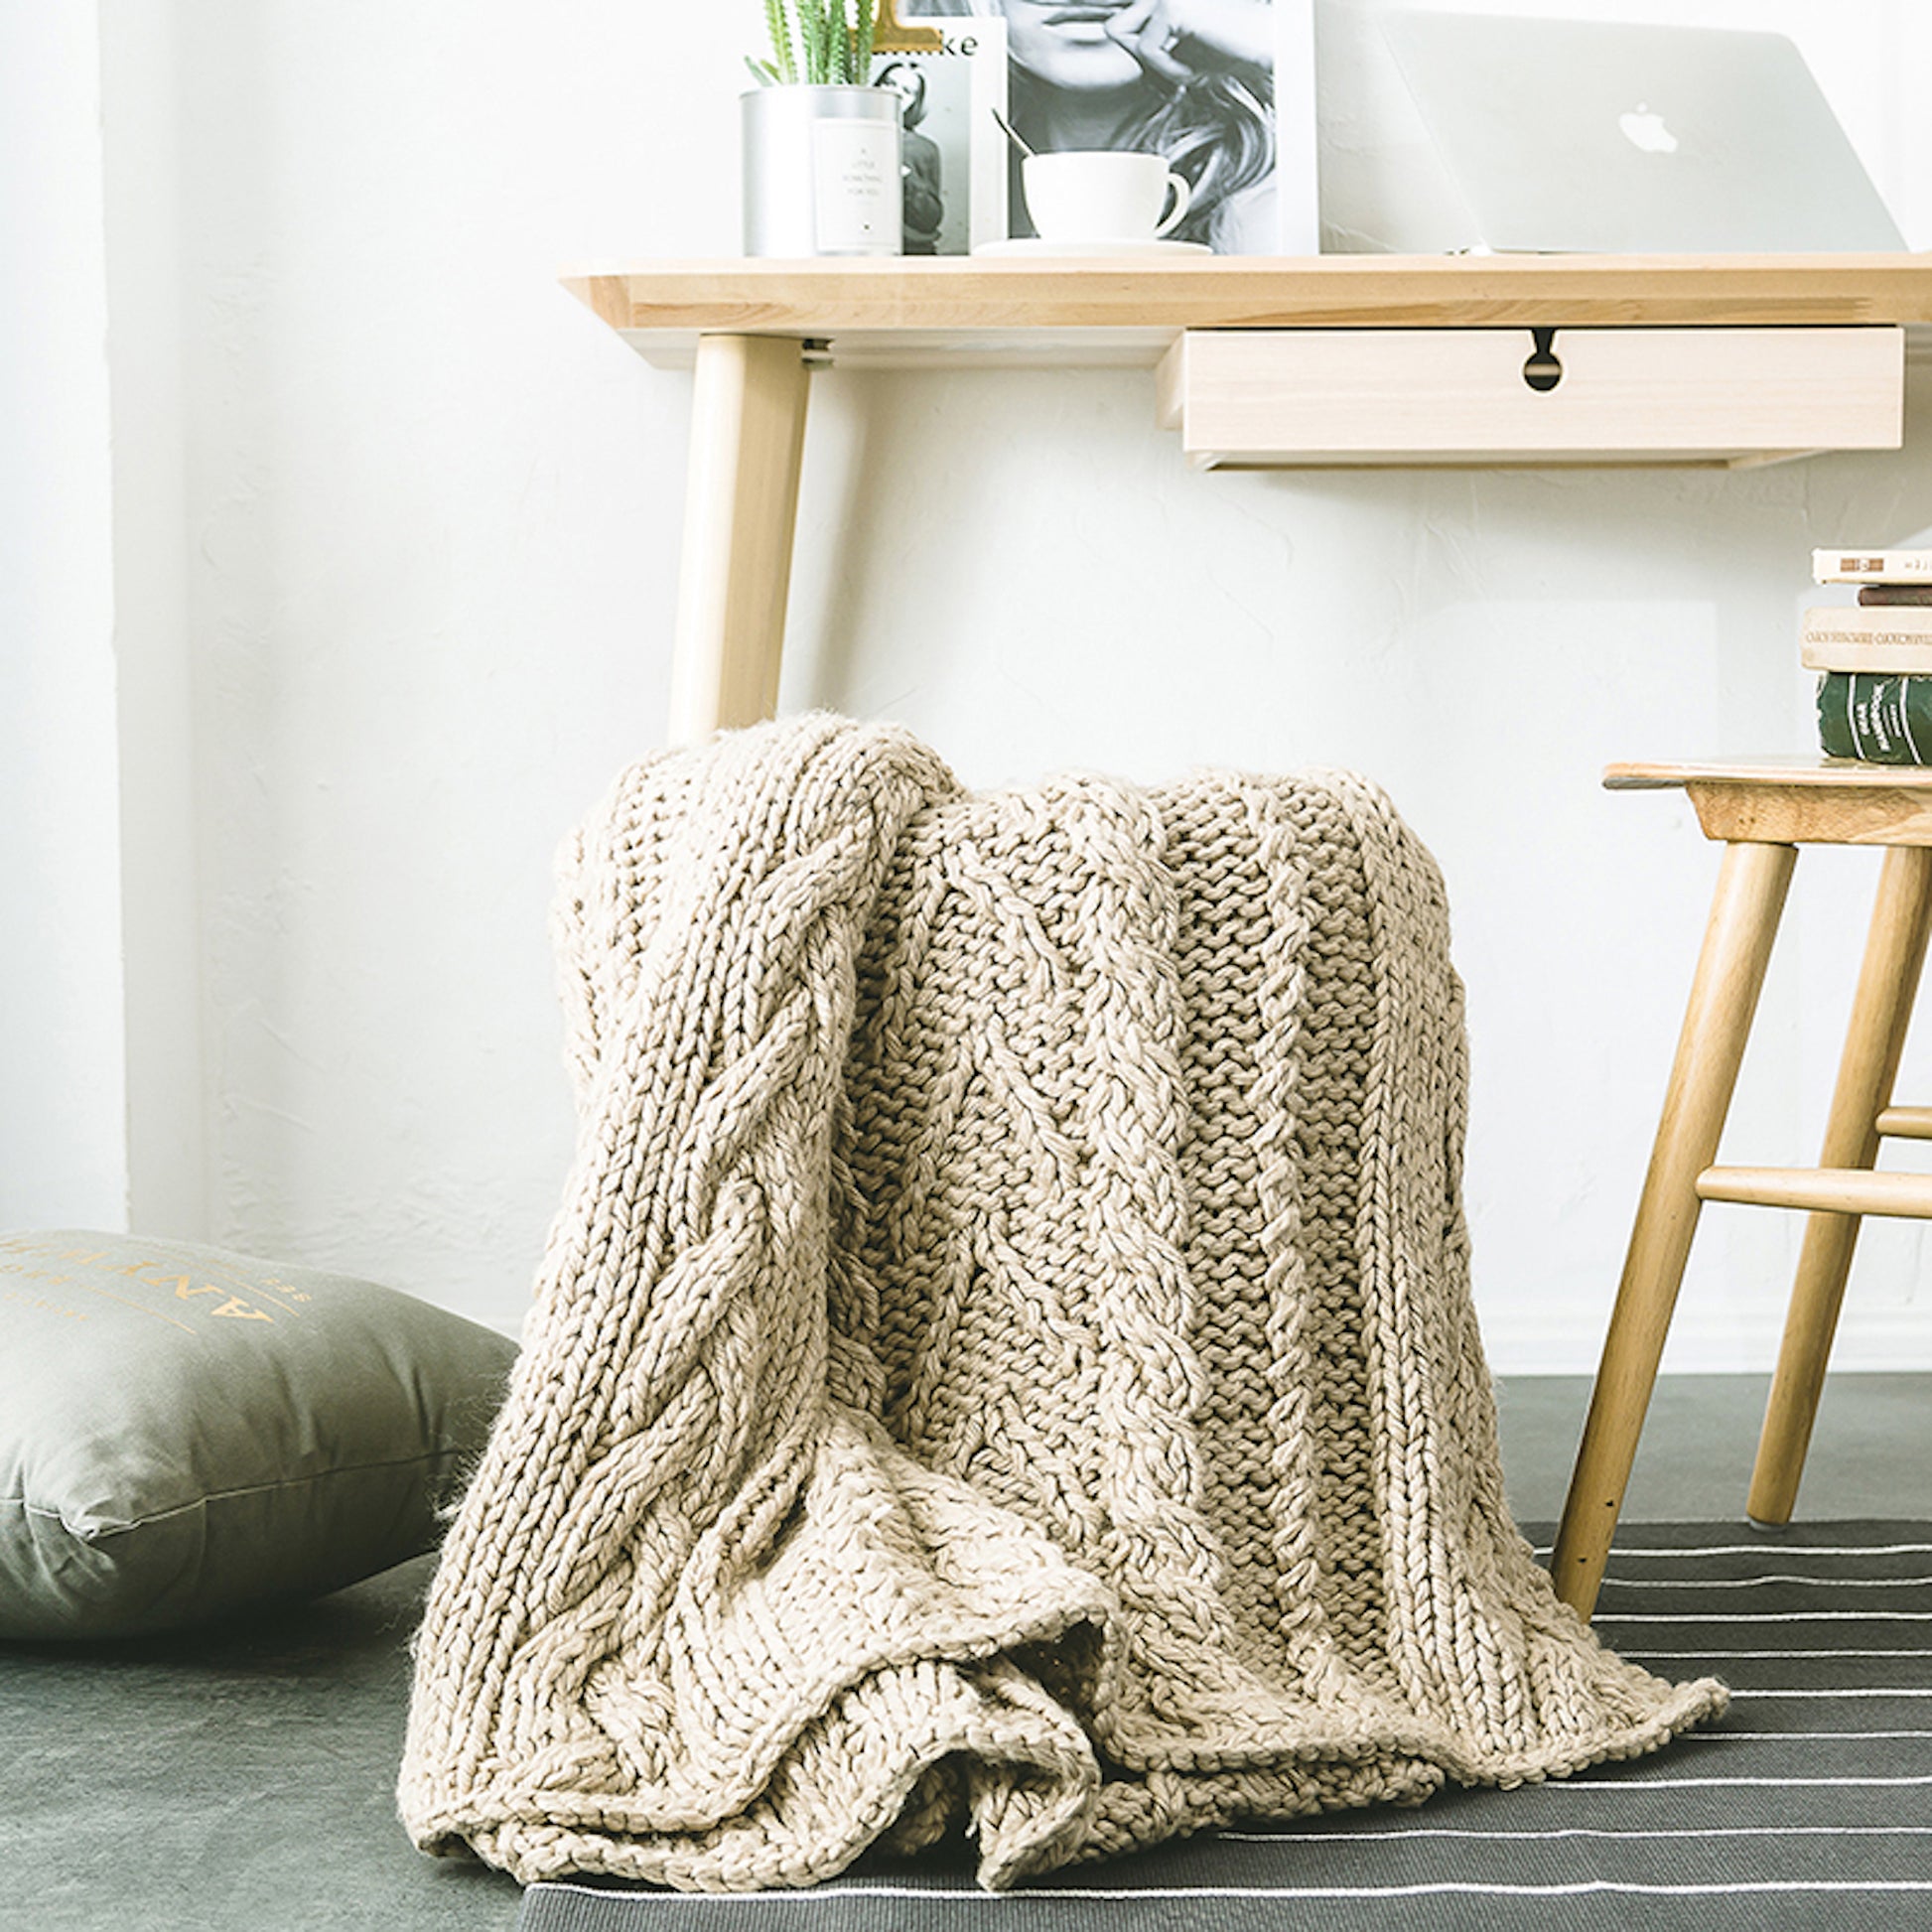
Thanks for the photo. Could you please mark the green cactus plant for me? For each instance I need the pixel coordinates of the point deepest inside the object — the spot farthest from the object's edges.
(821, 43)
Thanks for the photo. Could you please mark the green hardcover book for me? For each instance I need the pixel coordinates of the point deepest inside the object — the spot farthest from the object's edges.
(1877, 718)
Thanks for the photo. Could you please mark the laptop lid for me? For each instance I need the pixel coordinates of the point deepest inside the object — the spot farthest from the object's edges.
(1591, 136)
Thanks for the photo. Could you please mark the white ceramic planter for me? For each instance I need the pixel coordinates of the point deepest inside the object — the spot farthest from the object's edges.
(822, 170)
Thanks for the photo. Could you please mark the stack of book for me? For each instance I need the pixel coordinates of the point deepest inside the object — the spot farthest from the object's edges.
(1874, 697)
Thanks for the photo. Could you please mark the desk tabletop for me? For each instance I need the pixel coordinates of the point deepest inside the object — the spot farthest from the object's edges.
(959, 309)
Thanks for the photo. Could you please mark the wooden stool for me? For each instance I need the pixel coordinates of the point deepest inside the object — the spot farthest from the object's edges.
(1762, 810)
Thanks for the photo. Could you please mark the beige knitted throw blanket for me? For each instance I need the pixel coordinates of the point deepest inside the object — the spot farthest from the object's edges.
(1004, 1357)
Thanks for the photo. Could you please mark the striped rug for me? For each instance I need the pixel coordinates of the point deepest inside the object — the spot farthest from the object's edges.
(1808, 1806)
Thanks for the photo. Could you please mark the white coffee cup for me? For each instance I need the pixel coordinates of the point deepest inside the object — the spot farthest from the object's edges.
(1102, 194)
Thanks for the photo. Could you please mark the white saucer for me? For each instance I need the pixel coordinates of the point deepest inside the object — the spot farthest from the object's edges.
(1116, 250)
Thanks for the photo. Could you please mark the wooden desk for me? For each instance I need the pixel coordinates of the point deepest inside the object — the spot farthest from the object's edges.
(1673, 359)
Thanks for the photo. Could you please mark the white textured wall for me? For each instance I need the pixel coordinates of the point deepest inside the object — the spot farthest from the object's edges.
(433, 513)
(61, 1154)
(429, 515)
(168, 1092)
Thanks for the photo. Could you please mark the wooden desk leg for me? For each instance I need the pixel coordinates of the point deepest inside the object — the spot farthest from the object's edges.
(1752, 885)
(1881, 1010)
(747, 442)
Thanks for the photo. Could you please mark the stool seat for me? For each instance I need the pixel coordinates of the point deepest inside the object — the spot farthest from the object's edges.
(1762, 810)
(1796, 800)
(1772, 769)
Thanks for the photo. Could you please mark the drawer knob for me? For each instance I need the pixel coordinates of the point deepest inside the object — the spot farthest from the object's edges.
(1543, 371)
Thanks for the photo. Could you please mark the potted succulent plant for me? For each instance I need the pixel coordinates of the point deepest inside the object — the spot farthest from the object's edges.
(821, 145)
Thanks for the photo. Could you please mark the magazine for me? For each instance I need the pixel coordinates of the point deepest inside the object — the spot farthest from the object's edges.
(1235, 116)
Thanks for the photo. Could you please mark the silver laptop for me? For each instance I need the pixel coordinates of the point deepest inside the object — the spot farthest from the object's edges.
(1578, 135)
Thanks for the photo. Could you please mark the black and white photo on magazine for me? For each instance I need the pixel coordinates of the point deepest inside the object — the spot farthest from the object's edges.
(1197, 82)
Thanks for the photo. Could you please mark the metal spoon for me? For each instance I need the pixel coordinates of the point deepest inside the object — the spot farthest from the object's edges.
(1007, 128)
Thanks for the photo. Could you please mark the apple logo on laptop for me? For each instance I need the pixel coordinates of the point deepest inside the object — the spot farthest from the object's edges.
(1643, 127)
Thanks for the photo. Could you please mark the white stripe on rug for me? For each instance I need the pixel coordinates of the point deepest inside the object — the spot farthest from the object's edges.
(1803, 1738)
(1640, 1656)
(1758, 1550)
(1753, 1695)
(1772, 1578)
(1586, 1831)
(1595, 1789)
(1581, 1888)
(1763, 1616)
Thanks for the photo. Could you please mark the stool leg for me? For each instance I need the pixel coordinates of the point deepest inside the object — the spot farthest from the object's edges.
(1752, 885)
(1882, 1010)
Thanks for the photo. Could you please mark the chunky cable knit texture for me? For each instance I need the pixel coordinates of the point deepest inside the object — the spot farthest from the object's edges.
(1004, 1355)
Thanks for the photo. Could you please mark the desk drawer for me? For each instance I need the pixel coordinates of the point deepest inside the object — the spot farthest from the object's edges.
(1275, 398)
